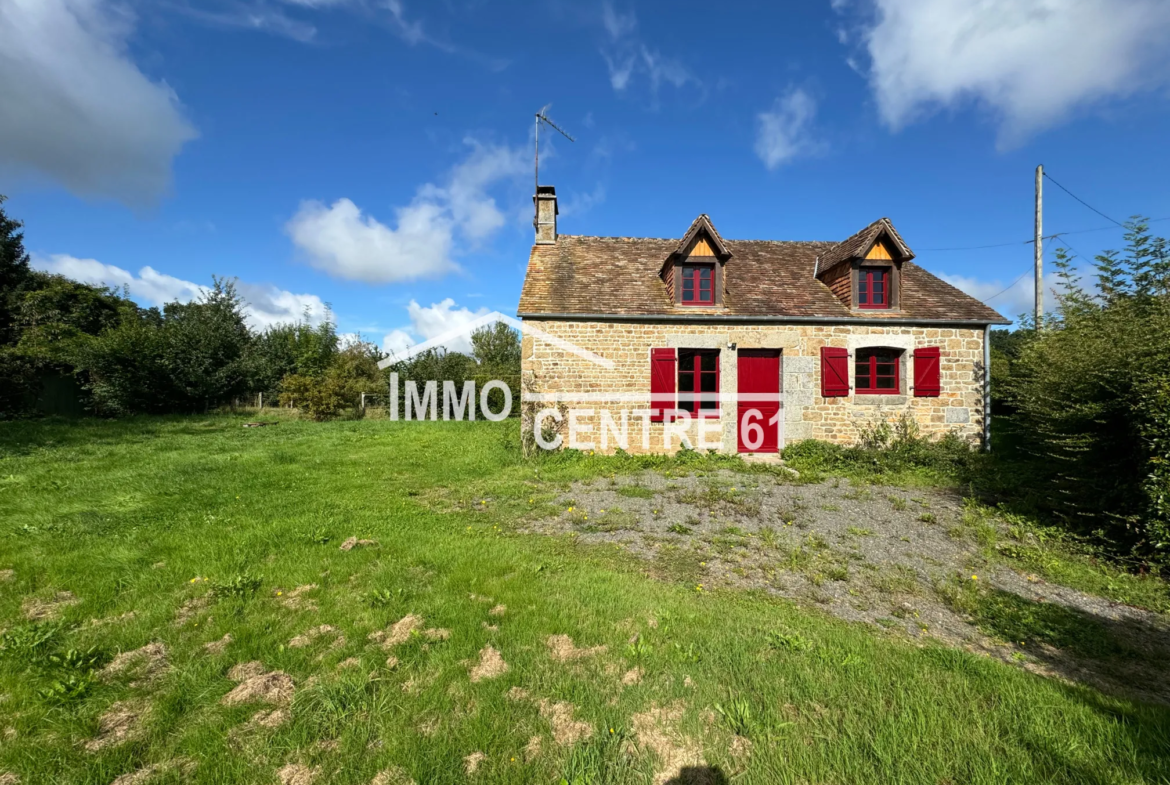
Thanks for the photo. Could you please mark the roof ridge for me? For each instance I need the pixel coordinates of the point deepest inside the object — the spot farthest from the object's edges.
(675, 239)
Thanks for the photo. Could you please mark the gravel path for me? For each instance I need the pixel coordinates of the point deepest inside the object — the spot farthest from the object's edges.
(881, 555)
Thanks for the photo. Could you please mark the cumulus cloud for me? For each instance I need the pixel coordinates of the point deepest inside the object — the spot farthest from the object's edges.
(785, 132)
(76, 109)
(1032, 62)
(1010, 299)
(627, 56)
(432, 322)
(266, 304)
(338, 239)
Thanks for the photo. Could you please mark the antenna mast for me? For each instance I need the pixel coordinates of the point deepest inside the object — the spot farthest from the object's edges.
(542, 117)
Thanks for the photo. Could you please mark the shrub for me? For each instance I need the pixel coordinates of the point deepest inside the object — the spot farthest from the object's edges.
(1091, 398)
(339, 387)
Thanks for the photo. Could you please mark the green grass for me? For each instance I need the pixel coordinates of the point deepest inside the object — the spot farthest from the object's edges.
(146, 515)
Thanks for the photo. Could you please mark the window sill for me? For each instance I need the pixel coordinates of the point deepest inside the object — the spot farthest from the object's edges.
(870, 399)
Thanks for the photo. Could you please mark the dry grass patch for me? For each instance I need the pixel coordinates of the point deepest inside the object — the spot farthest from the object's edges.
(499, 610)
(354, 542)
(8, 778)
(259, 686)
(269, 718)
(190, 609)
(472, 762)
(632, 676)
(566, 731)
(183, 765)
(219, 646)
(392, 776)
(145, 664)
(398, 633)
(123, 721)
(295, 600)
(562, 649)
(39, 609)
(656, 730)
(298, 774)
(490, 665)
(7, 575)
(306, 639)
(436, 634)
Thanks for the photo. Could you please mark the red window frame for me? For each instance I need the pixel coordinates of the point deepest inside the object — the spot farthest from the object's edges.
(696, 366)
(692, 281)
(873, 285)
(872, 366)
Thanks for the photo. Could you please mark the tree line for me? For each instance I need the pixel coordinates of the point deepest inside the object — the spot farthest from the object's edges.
(1084, 401)
(113, 357)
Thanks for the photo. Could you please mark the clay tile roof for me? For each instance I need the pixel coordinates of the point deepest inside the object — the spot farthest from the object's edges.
(619, 276)
(859, 244)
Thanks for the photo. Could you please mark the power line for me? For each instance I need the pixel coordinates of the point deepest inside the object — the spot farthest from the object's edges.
(1006, 288)
(1082, 201)
(1046, 237)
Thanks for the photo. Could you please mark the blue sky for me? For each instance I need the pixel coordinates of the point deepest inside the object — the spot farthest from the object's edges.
(376, 155)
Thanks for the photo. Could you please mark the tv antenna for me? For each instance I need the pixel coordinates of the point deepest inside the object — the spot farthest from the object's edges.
(542, 117)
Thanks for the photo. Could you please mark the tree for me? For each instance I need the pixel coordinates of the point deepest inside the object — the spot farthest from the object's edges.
(354, 370)
(1089, 393)
(286, 349)
(14, 270)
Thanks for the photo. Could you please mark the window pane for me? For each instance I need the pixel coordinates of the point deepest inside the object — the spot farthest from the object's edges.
(686, 382)
(704, 273)
(688, 290)
(686, 362)
(862, 381)
(878, 296)
(708, 359)
(705, 295)
(885, 383)
(862, 293)
(687, 406)
(885, 369)
(708, 383)
(710, 405)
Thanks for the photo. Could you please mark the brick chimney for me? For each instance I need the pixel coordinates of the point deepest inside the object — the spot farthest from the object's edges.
(546, 215)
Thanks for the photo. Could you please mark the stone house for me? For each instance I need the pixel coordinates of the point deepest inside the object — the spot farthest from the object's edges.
(746, 345)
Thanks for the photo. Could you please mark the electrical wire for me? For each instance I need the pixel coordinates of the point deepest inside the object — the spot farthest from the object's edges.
(1045, 237)
(1082, 201)
(1006, 288)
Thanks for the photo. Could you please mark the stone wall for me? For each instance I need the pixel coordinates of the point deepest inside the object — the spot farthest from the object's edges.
(550, 368)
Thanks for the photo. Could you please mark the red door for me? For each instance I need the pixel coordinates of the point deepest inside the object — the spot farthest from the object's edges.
(758, 418)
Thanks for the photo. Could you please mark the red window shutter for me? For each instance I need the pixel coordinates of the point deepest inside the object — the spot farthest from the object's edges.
(662, 378)
(834, 372)
(926, 372)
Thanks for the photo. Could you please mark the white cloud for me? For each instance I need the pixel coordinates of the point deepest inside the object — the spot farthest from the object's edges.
(433, 321)
(339, 240)
(784, 132)
(266, 304)
(76, 109)
(1010, 299)
(626, 56)
(578, 203)
(1032, 62)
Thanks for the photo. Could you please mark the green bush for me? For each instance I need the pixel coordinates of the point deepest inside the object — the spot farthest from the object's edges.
(1091, 394)
(339, 387)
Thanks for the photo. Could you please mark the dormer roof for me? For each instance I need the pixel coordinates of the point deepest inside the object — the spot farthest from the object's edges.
(703, 226)
(858, 245)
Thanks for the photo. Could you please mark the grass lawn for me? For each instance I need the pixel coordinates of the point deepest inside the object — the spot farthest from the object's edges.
(437, 652)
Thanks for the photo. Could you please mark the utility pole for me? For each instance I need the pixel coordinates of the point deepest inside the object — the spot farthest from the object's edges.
(1039, 245)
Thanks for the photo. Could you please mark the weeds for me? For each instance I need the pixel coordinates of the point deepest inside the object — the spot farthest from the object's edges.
(784, 640)
(240, 586)
(737, 713)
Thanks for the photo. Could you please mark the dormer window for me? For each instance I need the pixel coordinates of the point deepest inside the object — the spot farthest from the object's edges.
(698, 284)
(873, 287)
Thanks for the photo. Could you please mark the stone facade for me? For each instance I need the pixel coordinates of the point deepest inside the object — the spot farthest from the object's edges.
(550, 371)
